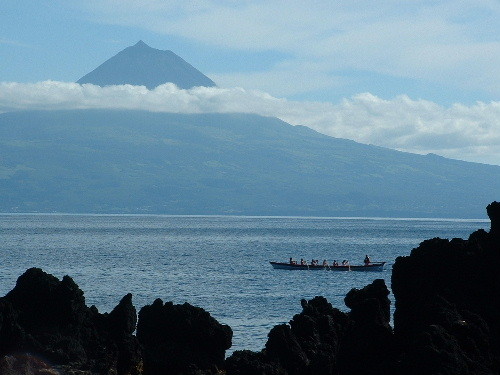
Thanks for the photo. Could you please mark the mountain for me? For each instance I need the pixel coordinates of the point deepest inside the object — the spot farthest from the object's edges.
(115, 161)
(146, 66)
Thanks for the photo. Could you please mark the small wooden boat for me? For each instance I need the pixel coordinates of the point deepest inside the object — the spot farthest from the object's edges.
(370, 267)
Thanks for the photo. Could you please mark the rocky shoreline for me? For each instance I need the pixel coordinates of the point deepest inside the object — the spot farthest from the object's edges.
(446, 321)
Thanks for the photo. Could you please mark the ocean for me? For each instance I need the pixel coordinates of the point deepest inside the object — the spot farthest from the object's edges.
(219, 263)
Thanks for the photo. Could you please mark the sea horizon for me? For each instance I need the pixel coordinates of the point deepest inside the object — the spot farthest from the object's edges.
(457, 219)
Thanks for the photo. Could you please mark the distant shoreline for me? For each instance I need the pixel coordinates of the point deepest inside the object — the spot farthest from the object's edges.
(375, 218)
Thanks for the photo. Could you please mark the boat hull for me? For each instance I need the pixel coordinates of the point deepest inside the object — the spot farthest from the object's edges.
(372, 267)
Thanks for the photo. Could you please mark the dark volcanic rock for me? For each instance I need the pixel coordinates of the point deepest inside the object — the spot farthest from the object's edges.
(25, 364)
(181, 339)
(493, 210)
(370, 303)
(369, 346)
(447, 306)
(308, 345)
(324, 340)
(123, 319)
(283, 348)
(311, 344)
(246, 362)
(121, 323)
(49, 318)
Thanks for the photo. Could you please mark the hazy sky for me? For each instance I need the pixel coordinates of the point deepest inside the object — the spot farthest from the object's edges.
(420, 76)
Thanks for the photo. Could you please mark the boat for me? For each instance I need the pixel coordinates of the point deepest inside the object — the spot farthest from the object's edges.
(370, 267)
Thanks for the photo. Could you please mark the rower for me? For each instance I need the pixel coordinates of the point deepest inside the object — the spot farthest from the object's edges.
(367, 260)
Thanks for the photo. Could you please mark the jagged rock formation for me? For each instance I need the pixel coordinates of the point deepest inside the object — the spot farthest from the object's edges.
(493, 210)
(324, 340)
(49, 318)
(447, 309)
(46, 328)
(26, 364)
(310, 344)
(181, 339)
(369, 346)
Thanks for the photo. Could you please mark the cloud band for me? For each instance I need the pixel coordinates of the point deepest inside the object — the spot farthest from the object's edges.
(458, 131)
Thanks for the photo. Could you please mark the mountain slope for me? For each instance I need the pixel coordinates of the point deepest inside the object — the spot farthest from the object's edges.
(146, 66)
(142, 162)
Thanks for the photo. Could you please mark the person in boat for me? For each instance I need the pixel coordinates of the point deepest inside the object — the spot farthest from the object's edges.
(292, 261)
(313, 262)
(303, 262)
(367, 260)
(345, 262)
(325, 263)
(335, 263)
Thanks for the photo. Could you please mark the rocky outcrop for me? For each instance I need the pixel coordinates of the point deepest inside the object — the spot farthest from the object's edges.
(324, 340)
(49, 318)
(369, 346)
(310, 344)
(46, 328)
(25, 364)
(447, 309)
(246, 362)
(181, 339)
(493, 210)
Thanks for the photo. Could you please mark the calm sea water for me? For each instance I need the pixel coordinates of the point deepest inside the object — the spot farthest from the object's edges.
(218, 263)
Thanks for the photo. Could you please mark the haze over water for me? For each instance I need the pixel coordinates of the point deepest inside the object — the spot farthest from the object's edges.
(219, 263)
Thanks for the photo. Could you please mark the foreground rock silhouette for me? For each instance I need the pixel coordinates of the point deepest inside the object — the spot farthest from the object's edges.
(181, 339)
(49, 319)
(46, 328)
(447, 321)
(447, 317)
(323, 340)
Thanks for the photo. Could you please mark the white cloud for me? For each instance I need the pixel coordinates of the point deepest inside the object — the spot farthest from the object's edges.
(282, 79)
(458, 131)
(450, 42)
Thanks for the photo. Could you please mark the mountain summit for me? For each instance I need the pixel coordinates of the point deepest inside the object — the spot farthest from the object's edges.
(143, 65)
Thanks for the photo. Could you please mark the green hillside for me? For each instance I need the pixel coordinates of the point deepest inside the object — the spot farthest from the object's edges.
(106, 161)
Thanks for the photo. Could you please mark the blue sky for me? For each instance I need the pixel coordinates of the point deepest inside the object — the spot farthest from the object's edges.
(442, 56)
